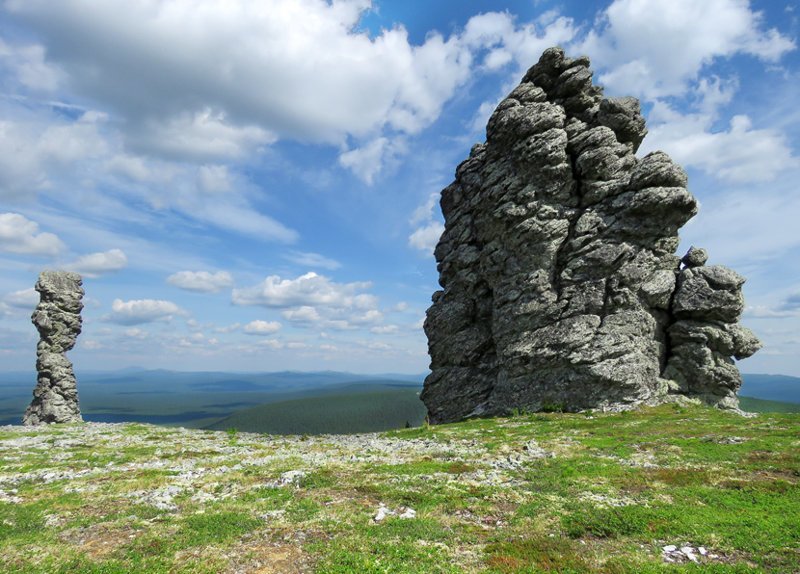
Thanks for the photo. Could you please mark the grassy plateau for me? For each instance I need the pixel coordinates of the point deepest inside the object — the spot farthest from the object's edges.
(569, 493)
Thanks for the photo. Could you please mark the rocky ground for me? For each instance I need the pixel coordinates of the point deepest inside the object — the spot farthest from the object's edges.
(660, 490)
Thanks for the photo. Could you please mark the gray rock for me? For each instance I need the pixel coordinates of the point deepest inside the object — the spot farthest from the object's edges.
(705, 334)
(695, 257)
(58, 319)
(560, 284)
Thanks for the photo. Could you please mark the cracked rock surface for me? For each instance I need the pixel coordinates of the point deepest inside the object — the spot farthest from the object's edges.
(560, 284)
(58, 319)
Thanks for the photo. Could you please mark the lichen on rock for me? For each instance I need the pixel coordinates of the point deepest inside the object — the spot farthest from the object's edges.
(58, 319)
(560, 283)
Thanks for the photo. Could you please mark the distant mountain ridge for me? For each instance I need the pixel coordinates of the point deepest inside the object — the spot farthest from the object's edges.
(782, 388)
(205, 398)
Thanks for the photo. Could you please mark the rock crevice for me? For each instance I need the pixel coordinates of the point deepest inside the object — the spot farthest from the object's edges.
(560, 283)
(58, 319)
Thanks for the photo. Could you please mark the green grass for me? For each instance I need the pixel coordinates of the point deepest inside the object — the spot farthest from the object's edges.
(610, 492)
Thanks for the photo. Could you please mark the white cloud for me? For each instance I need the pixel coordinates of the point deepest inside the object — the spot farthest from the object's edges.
(238, 216)
(312, 260)
(313, 299)
(654, 48)
(384, 329)
(18, 234)
(740, 153)
(765, 312)
(424, 212)
(259, 327)
(428, 231)
(273, 344)
(218, 81)
(370, 159)
(229, 328)
(204, 135)
(138, 311)
(24, 299)
(94, 264)
(307, 290)
(136, 333)
(224, 68)
(426, 237)
(27, 63)
(201, 281)
(33, 149)
(302, 314)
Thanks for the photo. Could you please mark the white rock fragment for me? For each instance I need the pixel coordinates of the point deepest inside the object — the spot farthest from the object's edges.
(408, 513)
(688, 551)
(292, 477)
(382, 513)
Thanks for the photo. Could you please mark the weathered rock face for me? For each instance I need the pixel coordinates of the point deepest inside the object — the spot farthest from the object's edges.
(560, 283)
(58, 320)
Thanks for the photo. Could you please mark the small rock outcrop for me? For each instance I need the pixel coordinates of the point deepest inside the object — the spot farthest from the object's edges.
(58, 319)
(560, 284)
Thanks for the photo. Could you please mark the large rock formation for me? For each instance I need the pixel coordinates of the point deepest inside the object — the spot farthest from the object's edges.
(58, 319)
(561, 287)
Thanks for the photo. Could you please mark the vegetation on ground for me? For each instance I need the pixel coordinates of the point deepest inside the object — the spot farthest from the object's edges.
(369, 410)
(568, 493)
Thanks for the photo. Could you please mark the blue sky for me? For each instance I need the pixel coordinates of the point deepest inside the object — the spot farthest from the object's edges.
(254, 185)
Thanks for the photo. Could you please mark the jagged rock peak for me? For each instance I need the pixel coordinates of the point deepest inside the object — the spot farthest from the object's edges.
(560, 283)
(58, 319)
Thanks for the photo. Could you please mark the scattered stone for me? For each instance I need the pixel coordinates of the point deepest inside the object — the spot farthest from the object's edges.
(292, 478)
(686, 553)
(162, 498)
(58, 319)
(10, 496)
(384, 511)
(561, 289)
(408, 513)
(272, 515)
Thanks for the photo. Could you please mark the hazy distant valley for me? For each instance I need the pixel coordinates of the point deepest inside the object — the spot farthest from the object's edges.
(286, 402)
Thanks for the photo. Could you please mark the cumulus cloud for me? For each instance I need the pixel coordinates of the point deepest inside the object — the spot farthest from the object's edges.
(740, 153)
(225, 68)
(18, 234)
(654, 48)
(312, 260)
(24, 299)
(310, 289)
(384, 329)
(138, 311)
(33, 149)
(428, 231)
(94, 264)
(27, 63)
(259, 327)
(313, 299)
(201, 281)
(370, 159)
(231, 78)
(302, 314)
(426, 237)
